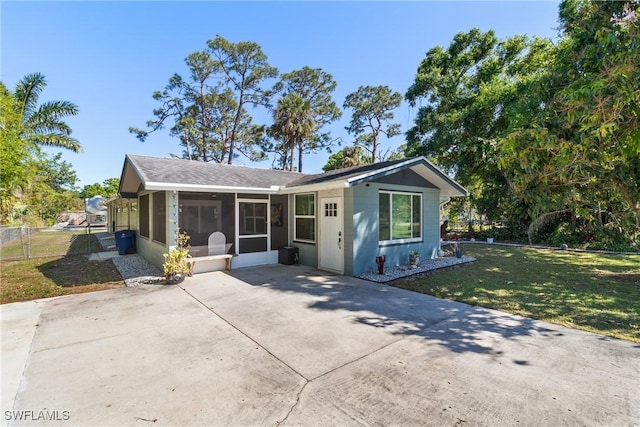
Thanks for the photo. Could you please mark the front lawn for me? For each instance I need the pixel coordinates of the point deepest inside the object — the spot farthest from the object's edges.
(593, 292)
(35, 278)
(50, 273)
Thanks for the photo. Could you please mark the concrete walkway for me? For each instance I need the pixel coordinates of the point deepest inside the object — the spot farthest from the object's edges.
(293, 346)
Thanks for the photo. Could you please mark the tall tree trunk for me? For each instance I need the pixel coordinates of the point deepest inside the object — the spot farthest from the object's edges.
(374, 148)
(236, 124)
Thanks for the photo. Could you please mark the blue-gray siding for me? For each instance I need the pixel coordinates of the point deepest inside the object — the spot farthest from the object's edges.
(365, 212)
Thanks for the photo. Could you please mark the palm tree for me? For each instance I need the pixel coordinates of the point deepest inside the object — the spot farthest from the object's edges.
(43, 124)
(293, 124)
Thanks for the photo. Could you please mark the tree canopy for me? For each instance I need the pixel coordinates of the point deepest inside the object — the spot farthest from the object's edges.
(34, 185)
(293, 124)
(347, 157)
(43, 124)
(535, 128)
(314, 87)
(372, 114)
(107, 189)
(208, 109)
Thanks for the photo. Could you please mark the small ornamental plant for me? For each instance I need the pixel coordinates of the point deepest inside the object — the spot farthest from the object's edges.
(414, 258)
(176, 267)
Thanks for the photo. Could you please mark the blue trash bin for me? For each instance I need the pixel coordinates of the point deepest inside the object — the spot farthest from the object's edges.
(126, 241)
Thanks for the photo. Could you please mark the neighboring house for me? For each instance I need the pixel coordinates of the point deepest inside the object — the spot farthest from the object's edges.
(339, 220)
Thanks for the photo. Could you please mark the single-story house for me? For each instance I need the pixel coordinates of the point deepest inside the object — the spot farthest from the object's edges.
(338, 221)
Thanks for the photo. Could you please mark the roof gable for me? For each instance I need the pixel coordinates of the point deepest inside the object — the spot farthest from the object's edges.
(357, 175)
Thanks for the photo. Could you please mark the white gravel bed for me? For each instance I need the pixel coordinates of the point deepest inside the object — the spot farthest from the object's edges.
(136, 271)
(393, 273)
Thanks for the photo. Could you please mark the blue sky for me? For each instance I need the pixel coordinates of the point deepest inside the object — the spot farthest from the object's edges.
(109, 57)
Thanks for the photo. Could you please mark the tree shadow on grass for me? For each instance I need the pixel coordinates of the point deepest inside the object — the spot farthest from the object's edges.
(77, 270)
(83, 243)
(577, 290)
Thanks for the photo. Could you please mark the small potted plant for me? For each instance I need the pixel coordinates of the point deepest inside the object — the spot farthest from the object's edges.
(176, 265)
(414, 258)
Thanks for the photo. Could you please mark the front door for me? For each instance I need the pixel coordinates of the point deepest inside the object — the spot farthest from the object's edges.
(331, 235)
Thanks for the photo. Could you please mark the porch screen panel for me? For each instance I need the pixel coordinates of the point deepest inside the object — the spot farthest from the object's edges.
(257, 244)
(159, 217)
(144, 215)
(199, 217)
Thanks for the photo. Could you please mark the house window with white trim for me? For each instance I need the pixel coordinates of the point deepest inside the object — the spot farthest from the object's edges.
(305, 217)
(400, 218)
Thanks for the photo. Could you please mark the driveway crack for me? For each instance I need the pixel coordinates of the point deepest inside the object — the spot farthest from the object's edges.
(245, 334)
(295, 403)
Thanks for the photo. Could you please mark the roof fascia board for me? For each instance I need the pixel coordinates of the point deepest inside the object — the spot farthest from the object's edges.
(464, 192)
(128, 196)
(167, 186)
(314, 187)
(129, 166)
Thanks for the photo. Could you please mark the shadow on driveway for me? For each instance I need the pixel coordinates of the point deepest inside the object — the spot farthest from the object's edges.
(456, 326)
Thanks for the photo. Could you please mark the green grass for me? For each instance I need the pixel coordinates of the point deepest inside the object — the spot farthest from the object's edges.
(49, 276)
(593, 292)
(50, 243)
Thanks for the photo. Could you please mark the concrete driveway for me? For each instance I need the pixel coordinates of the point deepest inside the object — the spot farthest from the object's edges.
(293, 346)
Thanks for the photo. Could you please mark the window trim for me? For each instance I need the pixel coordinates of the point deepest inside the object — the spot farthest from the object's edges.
(313, 217)
(393, 241)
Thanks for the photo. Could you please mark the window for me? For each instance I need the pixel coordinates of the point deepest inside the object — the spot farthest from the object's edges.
(400, 217)
(305, 217)
(159, 217)
(253, 218)
(330, 209)
(144, 215)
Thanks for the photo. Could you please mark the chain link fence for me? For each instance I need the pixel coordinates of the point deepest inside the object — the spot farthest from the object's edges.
(38, 242)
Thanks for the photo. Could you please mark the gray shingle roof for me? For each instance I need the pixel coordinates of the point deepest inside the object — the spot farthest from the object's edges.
(191, 172)
(165, 173)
